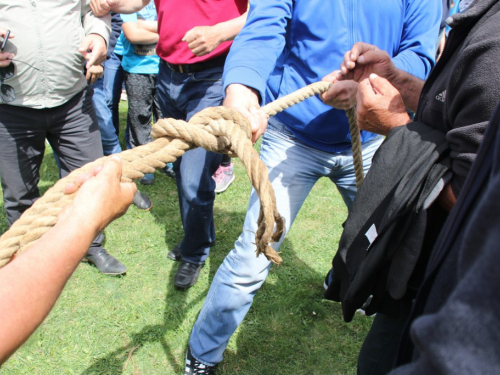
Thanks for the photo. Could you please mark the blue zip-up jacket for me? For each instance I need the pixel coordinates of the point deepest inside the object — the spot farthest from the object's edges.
(288, 44)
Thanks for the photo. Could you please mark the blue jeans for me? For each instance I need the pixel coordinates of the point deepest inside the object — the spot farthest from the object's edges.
(293, 168)
(181, 95)
(109, 137)
(113, 82)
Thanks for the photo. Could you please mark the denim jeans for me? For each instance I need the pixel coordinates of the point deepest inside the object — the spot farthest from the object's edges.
(181, 95)
(294, 168)
(113, 83)
(109, 137)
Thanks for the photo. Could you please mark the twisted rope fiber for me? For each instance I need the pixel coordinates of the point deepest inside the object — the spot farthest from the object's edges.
(217, 129)
(356, 146)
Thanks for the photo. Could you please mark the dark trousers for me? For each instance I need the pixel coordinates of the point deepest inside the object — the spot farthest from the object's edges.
(380, 348)
(73, 133)
(143, 107)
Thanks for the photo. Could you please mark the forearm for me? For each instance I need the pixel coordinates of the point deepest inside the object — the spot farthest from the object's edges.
(34, 280)
(409, 87)
(137, 35)
(229, 29)
(151, 26)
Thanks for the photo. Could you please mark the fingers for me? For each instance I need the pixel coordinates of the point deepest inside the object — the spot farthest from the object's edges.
(5, 58)
(360, 55)
(84, 48)
(381, 85)
(72, 187)
(3, 33)
(332, 77)
(93, 49)
(88, 76)
(258, 122)
(341, 95)
(101, 7)
(191, 35)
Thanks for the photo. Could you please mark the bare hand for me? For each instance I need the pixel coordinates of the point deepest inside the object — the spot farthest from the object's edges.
(5, 57)
(364, 59)
(202, 40)
(102, 7)
(93, 49)
(101, 197)
(94, 73)
(342, 94)
(246, 101)
(380, 106)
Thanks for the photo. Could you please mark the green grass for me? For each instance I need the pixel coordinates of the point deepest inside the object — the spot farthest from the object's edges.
(140, 324)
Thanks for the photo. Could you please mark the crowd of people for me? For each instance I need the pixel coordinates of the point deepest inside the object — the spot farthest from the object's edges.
(419, 254)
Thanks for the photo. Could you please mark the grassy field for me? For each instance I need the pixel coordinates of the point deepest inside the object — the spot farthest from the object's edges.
(140, 323)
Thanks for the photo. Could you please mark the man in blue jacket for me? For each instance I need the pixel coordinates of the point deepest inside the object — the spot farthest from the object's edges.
(284, 46)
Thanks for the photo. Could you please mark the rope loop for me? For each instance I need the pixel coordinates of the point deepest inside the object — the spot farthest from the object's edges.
(217, 129)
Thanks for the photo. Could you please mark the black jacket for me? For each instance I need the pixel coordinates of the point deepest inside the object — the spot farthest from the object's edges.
(463, 89)
(457, 100)
(388, 215)
(458, 326)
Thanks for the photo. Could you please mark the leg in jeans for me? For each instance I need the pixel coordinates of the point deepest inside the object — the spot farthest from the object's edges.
(109, 137)
(293, 168)
(181, 96)
(113, 80)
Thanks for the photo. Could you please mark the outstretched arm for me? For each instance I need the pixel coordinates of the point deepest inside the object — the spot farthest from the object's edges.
(33, 281)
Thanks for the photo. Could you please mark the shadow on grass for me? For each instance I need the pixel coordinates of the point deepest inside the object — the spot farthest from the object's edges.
(289, 328)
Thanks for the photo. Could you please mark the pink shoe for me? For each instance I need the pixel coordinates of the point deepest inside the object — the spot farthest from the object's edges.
(223, 177)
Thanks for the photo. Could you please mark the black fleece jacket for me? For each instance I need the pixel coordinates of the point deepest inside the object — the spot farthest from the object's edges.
(463, 89)
(457, 99)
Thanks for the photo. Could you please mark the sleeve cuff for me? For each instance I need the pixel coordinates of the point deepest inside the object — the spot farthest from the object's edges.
(244, 76)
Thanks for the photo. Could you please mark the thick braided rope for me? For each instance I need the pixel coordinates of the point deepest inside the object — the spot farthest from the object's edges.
(216, 129)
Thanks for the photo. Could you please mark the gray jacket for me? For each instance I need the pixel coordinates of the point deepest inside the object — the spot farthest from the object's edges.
(48, 34)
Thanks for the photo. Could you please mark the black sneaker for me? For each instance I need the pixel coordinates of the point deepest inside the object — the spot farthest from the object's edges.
(193, 366)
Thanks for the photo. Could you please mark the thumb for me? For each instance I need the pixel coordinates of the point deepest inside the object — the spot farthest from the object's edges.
(84, 48)
(379, 84)
(186, 37)
(113, 166)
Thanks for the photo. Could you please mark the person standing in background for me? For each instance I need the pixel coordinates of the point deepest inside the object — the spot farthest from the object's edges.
(49, 99)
